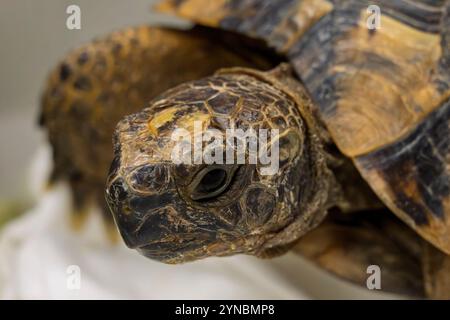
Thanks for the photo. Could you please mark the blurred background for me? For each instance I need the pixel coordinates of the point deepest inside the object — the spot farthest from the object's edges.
(33, 38)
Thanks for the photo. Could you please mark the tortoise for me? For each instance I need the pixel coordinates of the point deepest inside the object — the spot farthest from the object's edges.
(362, 123)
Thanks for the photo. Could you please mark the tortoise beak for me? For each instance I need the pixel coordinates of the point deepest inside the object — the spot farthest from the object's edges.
(138, 218)
(151, 224)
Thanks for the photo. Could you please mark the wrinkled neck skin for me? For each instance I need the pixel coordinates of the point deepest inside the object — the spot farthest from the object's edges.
(320, 189)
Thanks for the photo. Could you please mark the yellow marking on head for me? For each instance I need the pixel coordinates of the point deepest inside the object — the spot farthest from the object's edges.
(160, 119)
(188, 121)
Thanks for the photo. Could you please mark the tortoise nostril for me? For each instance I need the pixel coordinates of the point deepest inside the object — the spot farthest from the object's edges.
(115, 195)
(116, 191)
(154, 178)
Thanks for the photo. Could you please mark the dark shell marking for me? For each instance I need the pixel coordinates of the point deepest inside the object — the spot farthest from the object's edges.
(415, 171)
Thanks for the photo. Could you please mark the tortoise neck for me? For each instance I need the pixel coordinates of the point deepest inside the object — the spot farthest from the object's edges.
(320, 189)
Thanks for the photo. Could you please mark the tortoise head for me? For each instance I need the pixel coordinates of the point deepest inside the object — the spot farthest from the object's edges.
(187, 181)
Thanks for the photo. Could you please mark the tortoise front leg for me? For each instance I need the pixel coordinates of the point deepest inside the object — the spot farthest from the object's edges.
(99, 83)
(436, 269)
(347, 244)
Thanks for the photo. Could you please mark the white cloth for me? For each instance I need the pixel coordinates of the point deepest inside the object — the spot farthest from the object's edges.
(37, 249)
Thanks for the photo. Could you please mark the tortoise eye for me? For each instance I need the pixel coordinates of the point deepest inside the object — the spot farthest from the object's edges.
(210, 183)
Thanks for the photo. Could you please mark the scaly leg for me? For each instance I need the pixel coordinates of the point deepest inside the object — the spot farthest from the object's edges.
(347, 244)
(436, 268)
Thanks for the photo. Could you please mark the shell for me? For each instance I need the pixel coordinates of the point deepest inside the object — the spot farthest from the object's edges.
(384, 94)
